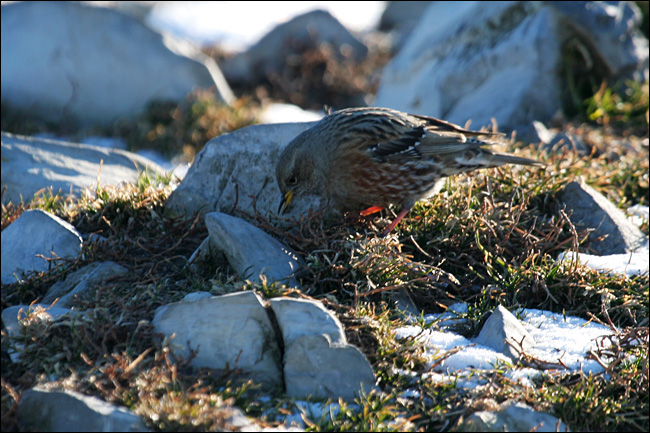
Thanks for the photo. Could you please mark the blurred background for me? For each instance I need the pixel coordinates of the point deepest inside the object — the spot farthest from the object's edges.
(162, 78)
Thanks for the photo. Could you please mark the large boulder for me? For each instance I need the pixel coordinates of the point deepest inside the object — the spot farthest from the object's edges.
(69, 62)
(307, 31)
(467, 61)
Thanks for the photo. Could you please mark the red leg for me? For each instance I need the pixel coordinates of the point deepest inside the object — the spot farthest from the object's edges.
(371, 210)
(396, 221)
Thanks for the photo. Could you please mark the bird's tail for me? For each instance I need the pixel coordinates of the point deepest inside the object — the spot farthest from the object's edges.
(497, 159)
(483, 158)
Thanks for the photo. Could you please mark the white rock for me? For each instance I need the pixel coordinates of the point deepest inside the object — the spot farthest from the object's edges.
(283, 113)
(315, 366)
(227, 332)
(33, 234)
(298, 317)
(70, 62)
(14, 315)
(41, 409)
(466, 61)
(589, 209)
(318, 361)
(236, 172)
(631, 264)
(505, 334)
(253, 254)
(65, 167)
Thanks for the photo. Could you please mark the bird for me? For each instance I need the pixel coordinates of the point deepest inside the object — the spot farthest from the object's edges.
(366, 159)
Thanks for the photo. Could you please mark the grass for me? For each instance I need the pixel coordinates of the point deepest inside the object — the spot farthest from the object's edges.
(487, 239)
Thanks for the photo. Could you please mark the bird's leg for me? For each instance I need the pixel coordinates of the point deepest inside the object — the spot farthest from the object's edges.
(396, 221)
(371, 210)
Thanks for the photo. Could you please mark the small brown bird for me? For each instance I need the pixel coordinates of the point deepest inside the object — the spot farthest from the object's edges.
(372, 157)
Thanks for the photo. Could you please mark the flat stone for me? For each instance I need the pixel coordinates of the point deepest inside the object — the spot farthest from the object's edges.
(253, 254)
(34, 233)
(69, 411)
(505, 334)
(229, 332)
(67, 168)
(589, 209)
(82, 283)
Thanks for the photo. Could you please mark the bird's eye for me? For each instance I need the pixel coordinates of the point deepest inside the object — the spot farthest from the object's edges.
(292, 180)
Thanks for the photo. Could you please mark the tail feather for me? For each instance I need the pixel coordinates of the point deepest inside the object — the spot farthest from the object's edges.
(485, 159)
(503, 158)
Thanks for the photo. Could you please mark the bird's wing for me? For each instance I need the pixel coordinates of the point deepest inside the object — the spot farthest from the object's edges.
(410, 141)
(388, 134)
(434, 124)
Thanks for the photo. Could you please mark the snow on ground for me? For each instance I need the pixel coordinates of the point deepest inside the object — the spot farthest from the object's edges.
(630, 264)
(563, 343)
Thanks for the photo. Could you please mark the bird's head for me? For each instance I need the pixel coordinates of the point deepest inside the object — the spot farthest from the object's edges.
(297, 172)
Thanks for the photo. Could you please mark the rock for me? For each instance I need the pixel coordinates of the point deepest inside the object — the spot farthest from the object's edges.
(236, 172)
(227, 332)
(70, 62)
(505, 334)
(82, 283)
(307, 31)
(613, 32)
(69, 411)
(234, 332)
(512, 416)
(36, 232)
(638, 214)
(318, 362)
(464, 61)
(588, 209)
(317, 367)
(63, 166)
(298, 317)
(253, 254)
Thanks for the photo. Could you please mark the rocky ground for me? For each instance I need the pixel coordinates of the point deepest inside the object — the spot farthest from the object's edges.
(515, 299)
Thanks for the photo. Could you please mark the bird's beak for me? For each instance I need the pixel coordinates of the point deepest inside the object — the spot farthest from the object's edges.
(285, 202)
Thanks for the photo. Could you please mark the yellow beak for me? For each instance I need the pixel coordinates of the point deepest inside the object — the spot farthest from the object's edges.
(285, 202)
